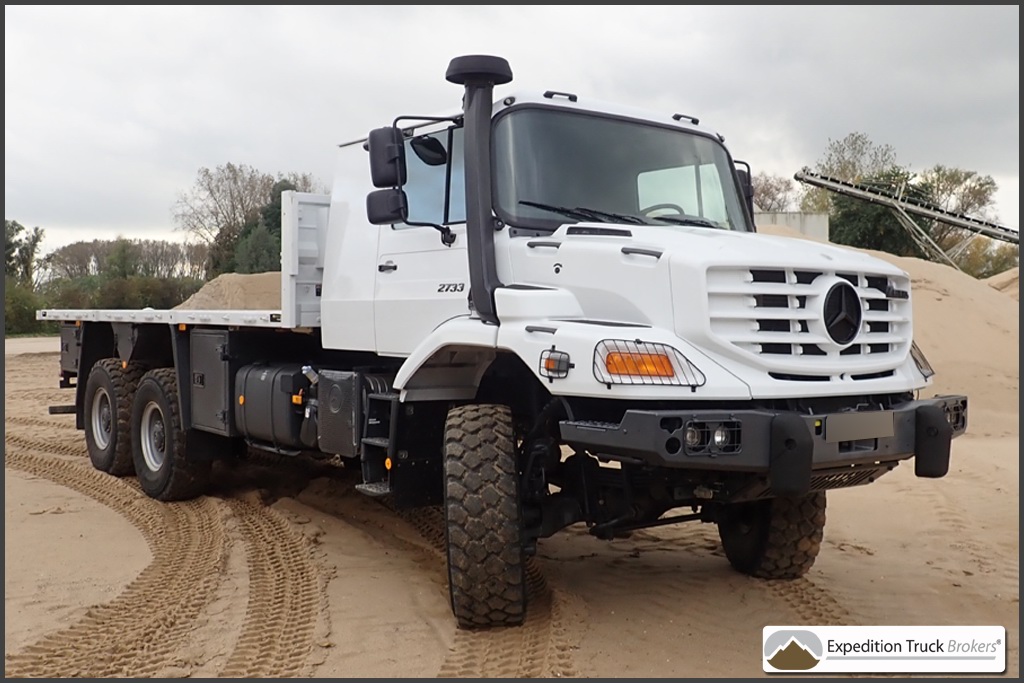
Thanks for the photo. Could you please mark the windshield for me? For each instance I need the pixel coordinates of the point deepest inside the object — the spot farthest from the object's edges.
(551, 165)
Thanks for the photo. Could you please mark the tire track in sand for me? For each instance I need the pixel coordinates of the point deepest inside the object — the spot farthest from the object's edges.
(541, 647)
(39, 397)
(71, 444)
(662, 595)
(137, 633)
(285, 599)
(808, 602)
(66, 424)
(999, 563)
(802, 596)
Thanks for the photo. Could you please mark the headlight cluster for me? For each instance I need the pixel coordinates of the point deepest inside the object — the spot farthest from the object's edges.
(617, 361)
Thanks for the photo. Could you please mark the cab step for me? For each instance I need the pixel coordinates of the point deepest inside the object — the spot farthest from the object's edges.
(375, 489)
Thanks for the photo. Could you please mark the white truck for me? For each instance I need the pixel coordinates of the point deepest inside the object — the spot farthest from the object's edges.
(536, 312)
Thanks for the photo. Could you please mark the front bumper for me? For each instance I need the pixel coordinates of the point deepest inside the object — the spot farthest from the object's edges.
(789, 447)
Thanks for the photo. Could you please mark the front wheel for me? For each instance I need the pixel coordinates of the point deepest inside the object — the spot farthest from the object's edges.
(158, 441)
(483, 523)
(778, 538)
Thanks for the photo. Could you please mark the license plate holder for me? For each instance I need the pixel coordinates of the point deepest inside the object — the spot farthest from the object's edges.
(876, 424)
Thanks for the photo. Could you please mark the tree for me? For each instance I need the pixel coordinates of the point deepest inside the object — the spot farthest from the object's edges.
(73, 260)
(20, 251)
(962, 192)
(150, 258)
(858, 223)
(21, 246)
(12, 240)
(27, 252)
(773, 193)
(20, 306)
(259, 245)
(852, 159)
(227, 203)
(124, 260)
(194, 257)
(259, 251)
(984, 257)
(221, 201)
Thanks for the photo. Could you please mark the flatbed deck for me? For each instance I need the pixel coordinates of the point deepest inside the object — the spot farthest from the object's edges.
(227, 317)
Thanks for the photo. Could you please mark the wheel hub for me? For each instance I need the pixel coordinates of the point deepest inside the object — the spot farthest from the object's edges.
(153, 437)
(102, 418)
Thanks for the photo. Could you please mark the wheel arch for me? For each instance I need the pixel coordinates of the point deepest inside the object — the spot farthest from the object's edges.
(449, 364)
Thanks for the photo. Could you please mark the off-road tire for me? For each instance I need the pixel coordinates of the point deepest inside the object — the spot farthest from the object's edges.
(108, 435)
(164, 471)
(777, 538)
(483, 522)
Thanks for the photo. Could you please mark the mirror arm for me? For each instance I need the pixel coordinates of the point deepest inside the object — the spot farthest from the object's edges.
(447, 236)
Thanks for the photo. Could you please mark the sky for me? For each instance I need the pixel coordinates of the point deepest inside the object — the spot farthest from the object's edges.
(110, 112)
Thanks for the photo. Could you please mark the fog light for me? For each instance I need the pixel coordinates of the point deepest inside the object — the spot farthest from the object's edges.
(692, 436)
(721, 436)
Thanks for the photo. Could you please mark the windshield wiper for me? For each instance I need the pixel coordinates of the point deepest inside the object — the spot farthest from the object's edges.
(617, 217)
(585, 214)
(686, 220)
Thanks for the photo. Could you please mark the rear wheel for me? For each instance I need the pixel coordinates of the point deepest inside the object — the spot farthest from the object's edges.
(158, 441)
(486, 566)
(109, 391)
(777, 538)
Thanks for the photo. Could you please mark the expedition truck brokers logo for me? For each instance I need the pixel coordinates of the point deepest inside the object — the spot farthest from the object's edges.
(792, 650)
(884, 649)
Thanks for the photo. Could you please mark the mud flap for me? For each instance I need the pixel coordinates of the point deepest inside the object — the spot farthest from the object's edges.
(932, 438)
(791, 457)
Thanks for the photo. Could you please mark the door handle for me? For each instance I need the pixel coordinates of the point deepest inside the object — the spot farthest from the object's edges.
(385, 267)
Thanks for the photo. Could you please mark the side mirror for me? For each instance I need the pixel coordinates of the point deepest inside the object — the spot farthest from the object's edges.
(429, 150)
(746, 186)
(387, 157)
(384, 207)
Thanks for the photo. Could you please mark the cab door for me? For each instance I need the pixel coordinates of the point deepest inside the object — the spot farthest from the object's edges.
(420, 284)
(421, 281)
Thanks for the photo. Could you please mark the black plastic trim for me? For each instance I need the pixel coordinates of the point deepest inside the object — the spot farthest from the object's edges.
(640, 251)
(786, 445)
(591, 230)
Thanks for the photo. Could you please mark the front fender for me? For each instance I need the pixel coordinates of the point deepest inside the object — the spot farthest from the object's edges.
(449, 363)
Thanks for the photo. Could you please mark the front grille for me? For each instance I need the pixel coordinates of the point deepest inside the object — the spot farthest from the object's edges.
(776, 315)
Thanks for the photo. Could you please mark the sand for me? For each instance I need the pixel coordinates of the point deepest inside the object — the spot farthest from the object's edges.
(258, 291)
(284, 570)
(1008, 281)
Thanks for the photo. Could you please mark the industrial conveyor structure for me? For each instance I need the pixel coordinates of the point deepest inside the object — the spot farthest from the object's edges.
(905, 206)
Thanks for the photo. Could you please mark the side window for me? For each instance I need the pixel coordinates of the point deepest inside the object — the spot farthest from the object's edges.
(697, 190)
(428, 160)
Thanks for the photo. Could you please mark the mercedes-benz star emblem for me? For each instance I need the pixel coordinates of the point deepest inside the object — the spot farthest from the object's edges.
(842, 313)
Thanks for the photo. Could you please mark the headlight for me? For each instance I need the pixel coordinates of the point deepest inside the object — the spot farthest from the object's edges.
(617, 361)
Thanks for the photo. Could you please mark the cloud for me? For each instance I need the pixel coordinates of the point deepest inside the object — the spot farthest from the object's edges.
(110, 112)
